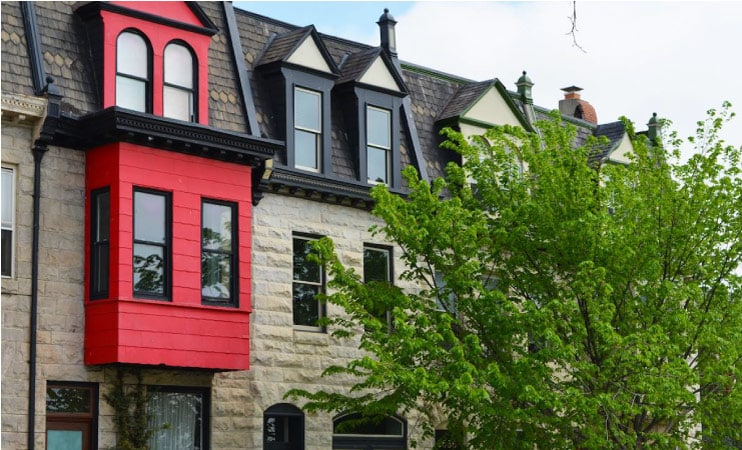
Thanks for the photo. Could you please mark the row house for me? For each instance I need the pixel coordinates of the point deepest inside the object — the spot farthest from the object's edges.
(165, 166)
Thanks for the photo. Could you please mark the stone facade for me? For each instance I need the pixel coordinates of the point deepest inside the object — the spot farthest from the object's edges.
(61, 272)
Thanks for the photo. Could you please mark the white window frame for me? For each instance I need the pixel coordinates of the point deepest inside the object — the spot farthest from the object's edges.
(320, 285)
(317, 133)
(10, 224)
(387, 150)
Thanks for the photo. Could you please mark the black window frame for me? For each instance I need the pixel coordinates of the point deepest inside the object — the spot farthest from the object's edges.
(310, 80)
(321, 312)
(233, 300)
(205, 392)
(167, 246)
(193, 91)
(294, 426)
(150, 70)
(365, 98)
(389, 252)
(362, 441)
(8, 228)
(96, 265)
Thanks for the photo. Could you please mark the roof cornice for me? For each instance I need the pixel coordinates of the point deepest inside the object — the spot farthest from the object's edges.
(120, 125)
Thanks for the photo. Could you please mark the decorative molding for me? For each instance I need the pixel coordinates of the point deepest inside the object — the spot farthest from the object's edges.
(119, 125)
(23, 108)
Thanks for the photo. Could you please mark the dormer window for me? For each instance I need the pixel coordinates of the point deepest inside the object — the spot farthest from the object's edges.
(133, 69)
(378, 144)
(307, 129)
(178, 94)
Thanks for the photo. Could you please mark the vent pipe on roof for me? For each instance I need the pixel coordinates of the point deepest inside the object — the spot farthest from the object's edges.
(388, 36)
(573, 106)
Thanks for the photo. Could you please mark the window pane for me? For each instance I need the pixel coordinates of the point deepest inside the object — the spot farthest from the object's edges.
(102, 218)
(131, 55)
(149, 217)
(377, 165)
(7, 252)
(306, 305)
(178, 66)
(378, 126)
(375, 265)
(307, 109)
(63, 440)
(305, 270)
(131, 93)
(7, 200)
(67, 400)
(99, 277)
(177, 103)
(216, 233)
(148, 269)
(216, 275)
(177, 420)
(305, 149)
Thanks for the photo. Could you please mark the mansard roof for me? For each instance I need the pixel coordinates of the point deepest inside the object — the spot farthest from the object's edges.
(240, 101)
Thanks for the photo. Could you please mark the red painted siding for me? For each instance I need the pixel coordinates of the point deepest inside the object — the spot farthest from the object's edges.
(159, 36)
(180, 332)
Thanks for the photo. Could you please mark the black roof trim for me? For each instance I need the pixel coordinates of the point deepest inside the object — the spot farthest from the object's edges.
(93, 9)
(321, 189)
(116, 124)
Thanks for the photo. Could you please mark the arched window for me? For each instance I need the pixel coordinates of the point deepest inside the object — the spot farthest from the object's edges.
(283, 428)
(132, 72)
(178, 94)
(353, 431)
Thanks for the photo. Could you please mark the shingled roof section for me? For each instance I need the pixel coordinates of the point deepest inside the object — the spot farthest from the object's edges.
(464, 98)
(280, 48)
(615, 132)
(66, 54)
(15, 68)
(226, 110)
(357, 63)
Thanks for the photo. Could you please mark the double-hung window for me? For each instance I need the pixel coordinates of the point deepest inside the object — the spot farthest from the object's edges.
(100, 214)
(307, 129)
(377, 267)
(218, 252)
(178, 95)
(178, 418)
(378, 144)
(8, 221)
(132, 72)
(151, 243)
(308, 283)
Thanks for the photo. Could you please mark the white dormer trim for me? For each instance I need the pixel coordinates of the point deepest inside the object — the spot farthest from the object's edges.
(492, 109)
(623, 150)
(378, 75)
(308, 55)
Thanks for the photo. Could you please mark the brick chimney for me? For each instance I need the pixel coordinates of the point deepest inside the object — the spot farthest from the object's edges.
(572, 105)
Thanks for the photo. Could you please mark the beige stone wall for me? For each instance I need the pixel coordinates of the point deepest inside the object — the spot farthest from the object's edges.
(282, 357)
(61, 278)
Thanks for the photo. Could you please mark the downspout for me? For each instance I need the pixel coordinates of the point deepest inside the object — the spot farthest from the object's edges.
(43, 85)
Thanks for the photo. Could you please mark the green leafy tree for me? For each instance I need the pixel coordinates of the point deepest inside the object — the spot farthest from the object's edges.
(570, 305)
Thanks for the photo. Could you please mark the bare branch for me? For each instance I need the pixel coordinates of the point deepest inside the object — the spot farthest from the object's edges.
(573, 31)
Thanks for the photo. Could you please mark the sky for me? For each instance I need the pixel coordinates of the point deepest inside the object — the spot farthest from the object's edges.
(675, 58)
